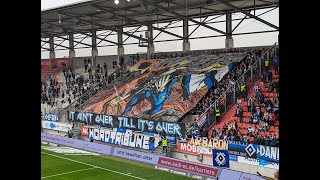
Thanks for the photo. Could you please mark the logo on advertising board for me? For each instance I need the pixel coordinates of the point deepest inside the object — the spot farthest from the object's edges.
(213, 143)
(220, 158)
(56, 126)
(84, 130)
(188, 167)
(192, 149)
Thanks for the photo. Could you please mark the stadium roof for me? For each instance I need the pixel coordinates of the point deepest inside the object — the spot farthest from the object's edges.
(84, 17)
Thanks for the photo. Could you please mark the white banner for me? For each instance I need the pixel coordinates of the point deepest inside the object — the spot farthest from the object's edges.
(256, 162)
(56, 126)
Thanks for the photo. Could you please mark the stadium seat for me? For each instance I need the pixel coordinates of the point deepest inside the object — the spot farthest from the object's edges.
(276, 123)
(271, 128)
(245, 108)
(244, 126)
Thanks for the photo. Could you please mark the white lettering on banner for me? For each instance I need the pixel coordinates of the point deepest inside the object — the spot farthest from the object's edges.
(101, 135)
(51, 117)
(127, 139)
(106, 135)
(269, 152)
(145, 144)
(96, 134)
(104, 119)
(112, 137)
(56, 126)
(118, 138)
(213, 143)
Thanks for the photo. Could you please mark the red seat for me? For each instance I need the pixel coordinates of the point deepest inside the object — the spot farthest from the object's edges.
(239, 125)
(276, 123)
(271, 128)
(270, 94)
(245, 108)
(251, 139)
(245, 119)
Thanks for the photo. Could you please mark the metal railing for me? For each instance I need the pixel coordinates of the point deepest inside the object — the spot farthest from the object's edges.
(229, 97)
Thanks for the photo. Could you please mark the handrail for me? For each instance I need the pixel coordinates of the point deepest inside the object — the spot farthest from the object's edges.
(229, 87)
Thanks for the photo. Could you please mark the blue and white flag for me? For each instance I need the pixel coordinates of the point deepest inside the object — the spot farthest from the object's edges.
(220, 158)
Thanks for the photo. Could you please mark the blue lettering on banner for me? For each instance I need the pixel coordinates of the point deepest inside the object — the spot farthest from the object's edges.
(51, 117)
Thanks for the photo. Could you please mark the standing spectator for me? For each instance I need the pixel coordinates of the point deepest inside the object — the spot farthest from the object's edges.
(266, 64)
(105, 67)
(276, 65)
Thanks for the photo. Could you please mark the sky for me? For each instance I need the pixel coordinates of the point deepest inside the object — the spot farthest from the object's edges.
(248, 25)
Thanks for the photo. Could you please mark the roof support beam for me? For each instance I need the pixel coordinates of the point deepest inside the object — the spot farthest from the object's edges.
(102, 26)
(181, 16)
(78, 42)
(56, 44)
(80, 32)
(248, 14)
(134, 20)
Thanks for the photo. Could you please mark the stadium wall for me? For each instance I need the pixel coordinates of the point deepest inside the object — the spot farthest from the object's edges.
(203, 168)
(248, 168)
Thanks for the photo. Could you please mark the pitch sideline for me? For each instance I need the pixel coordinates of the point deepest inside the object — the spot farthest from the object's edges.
(93, 166)
(67, 173)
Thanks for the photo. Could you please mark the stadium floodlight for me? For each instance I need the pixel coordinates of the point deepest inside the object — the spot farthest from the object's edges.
(128, 0)
(116, 1)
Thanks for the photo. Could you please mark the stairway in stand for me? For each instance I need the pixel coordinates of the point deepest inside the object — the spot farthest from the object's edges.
(244, 126)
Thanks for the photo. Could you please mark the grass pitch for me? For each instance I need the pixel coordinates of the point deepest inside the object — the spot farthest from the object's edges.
(57, 166)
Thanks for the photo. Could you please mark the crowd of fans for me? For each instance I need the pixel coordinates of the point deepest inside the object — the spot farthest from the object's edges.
(76, 85)
(228, 80)
(264, 110)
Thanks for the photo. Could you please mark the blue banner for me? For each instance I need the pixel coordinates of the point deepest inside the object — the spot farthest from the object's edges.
(242, 150)
(220, 158)
(267, 153)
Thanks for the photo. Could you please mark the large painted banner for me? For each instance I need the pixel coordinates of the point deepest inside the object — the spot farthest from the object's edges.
(267, 153)
(220, 158)
(188, 166)
(135, 124)
(163, 90)
(56, 126)
(125, 137)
